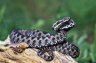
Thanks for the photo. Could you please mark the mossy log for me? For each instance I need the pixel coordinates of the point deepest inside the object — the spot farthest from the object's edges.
(7, 55)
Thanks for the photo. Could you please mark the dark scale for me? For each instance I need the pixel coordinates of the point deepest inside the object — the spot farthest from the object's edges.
(46, 42)
(34, 41)
(28, 41)
(17, 39)
(23, 40)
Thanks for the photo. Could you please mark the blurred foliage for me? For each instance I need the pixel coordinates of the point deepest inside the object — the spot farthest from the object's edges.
(41, 14)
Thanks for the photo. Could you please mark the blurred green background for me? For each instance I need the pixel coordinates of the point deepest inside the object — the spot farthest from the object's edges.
(41, 14)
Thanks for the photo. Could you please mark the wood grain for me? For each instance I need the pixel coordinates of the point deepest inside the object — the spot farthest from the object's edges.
(7, 55)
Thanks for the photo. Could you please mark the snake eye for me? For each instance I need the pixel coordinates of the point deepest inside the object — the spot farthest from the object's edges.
(64, 24)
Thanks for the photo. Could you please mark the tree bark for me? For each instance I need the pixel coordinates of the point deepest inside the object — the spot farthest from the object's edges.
(7, 55)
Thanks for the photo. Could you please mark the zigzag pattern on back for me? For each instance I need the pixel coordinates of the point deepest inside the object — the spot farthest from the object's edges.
(46, 42)
(36, 38)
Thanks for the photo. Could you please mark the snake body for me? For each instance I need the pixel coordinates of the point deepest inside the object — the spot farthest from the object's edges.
(65, 48)
(46, 42)
(36, 38)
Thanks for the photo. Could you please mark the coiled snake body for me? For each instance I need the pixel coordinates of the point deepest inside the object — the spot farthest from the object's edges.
(46, 42)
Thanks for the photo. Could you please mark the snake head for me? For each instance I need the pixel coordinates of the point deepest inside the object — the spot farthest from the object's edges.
(64, 24)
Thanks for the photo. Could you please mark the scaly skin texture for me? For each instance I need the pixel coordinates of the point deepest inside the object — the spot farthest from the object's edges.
(64, 48)
(36, 38)
(46, 42)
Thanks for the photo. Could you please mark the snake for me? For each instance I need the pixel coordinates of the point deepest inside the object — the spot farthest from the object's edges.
(47, 42)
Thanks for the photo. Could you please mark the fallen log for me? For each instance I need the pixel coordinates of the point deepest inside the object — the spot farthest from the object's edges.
(8, 55)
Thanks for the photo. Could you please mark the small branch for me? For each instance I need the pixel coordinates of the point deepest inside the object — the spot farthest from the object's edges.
(7, 55)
